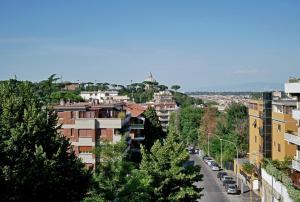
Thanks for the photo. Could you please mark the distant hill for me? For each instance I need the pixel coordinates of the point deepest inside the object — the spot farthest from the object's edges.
(244, 87)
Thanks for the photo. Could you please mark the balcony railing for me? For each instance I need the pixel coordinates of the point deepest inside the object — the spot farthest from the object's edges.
(296, 164)
(294, 139)
(292, 87)
(296, 114)
(137, 126)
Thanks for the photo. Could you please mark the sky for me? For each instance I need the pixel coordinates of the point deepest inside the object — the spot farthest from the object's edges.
(197, 44)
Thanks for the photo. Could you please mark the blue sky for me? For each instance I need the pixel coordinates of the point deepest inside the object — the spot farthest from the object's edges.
(196, 44)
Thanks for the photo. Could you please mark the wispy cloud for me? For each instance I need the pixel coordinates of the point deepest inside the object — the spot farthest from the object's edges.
(20, 40)
(248, 71)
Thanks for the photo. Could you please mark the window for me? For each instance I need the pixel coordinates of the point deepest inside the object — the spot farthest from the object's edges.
(254, 124)
(278, 128)
(279, 147)
(255, 139)
(274, 143)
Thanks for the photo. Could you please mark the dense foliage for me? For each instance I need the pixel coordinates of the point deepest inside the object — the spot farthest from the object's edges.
(184, 100)
(189, 123)
(111, 173)
(152, 128)
(231, 125)
(36, 161)
(171, 175)
(278, 171)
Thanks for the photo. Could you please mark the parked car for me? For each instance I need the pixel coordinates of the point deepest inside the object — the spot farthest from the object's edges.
(209, 162)
(232, 189)
(206, 158)
(191, 151)
(215, 167)
(225, 182)
(229, 183)
(226, 177)
(221, 174)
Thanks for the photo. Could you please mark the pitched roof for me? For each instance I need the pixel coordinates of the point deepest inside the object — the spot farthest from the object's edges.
(135, 109)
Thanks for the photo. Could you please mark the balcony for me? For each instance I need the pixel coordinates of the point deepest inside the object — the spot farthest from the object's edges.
(294, 139)
(137, 126)
(109, 123)
(296, 114)
(292, 88)
(87, 158)
(86, 141)
(296, 164)
(163, 118)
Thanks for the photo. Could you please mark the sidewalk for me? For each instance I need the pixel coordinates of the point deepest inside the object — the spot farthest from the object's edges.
(246, 195)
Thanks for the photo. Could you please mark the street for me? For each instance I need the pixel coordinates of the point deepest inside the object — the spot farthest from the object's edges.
(213, 189)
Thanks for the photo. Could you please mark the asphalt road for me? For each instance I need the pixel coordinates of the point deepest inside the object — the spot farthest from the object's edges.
(212, 191)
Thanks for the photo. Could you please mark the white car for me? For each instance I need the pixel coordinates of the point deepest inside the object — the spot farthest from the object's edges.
(232, 189)
(226, 178)
(207, 159)
(209, 162)
(215, 168)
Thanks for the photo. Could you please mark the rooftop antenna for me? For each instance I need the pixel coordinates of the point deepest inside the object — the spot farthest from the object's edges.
(131, 90)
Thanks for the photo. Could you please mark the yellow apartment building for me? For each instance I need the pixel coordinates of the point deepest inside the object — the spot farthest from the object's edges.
(282, 122)
(255, 131)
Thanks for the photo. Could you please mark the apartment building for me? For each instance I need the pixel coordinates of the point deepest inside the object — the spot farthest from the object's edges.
(260, 129)
(293, 137)
(85, 124)
(136, 124)
(164, 105)
(282, 122)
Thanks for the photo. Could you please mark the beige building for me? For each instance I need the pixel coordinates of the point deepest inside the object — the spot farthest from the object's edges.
(86, 124)
(164, 105)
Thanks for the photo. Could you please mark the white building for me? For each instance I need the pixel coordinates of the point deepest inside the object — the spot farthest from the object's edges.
(164, 105)
(101, 97)
(293, 89)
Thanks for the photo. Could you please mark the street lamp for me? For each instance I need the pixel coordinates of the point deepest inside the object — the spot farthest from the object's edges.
(208, 133)
(221, 150)
(237, 160)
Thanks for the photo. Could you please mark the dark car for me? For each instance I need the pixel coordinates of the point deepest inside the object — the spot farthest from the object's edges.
(221, 174)
(191, 151)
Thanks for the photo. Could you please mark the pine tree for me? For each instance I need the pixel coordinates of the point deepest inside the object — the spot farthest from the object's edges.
(172, 176)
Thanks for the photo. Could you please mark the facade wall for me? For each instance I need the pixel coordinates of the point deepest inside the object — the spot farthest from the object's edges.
(84, 129)
(282, 123)
(255, 138)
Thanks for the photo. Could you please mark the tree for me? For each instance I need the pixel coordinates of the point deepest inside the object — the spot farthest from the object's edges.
(175, 87)
(152, 128)
(162, 87)
(46, 88)
(171, 173)
(233, 126)
(111, 173)
(37, 163)
(208, 124)
(190, 118)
